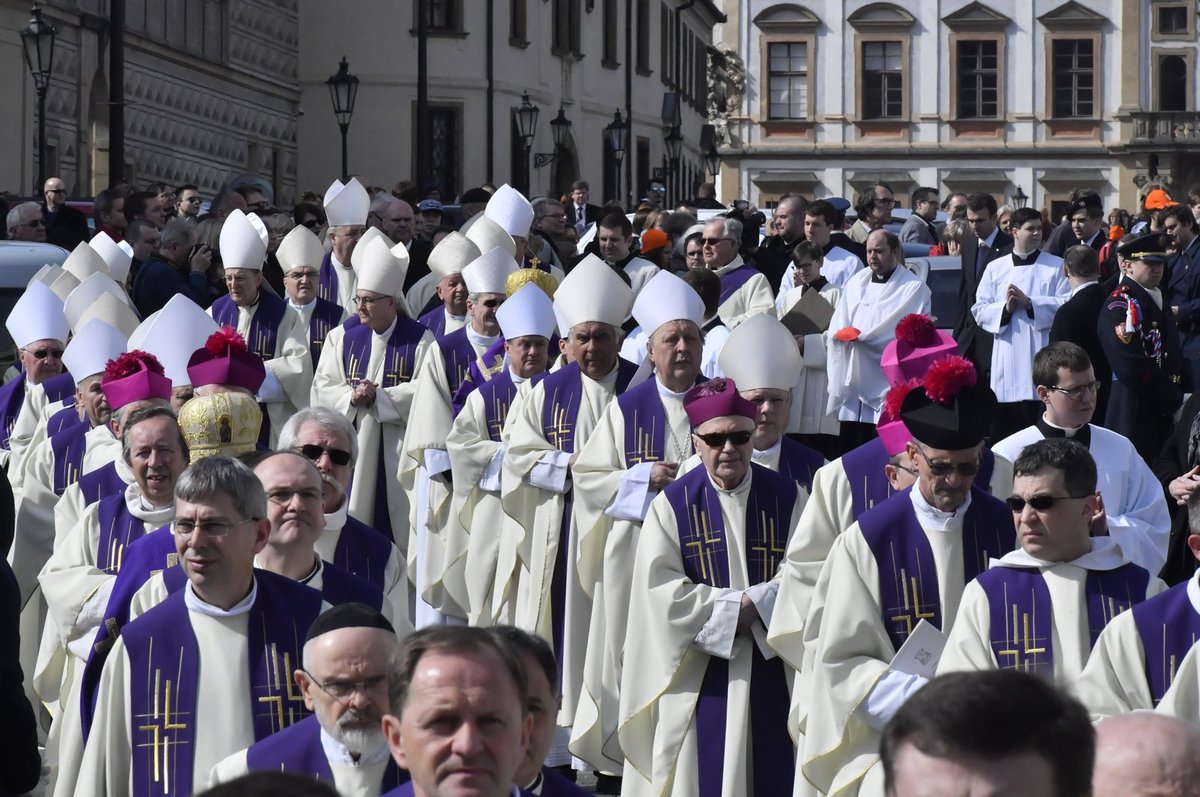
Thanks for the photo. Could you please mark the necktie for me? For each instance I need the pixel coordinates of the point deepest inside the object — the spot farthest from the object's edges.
(982, 255)
(580, 218)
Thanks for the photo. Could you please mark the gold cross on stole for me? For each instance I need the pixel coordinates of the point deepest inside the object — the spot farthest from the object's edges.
(911, 611)
(704, 548)
(1020, 633)
(159, 725)
(771, 551)
(282, 680)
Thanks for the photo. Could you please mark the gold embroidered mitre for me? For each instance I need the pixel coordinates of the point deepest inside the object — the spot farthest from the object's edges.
(523, 276)
(221, 423)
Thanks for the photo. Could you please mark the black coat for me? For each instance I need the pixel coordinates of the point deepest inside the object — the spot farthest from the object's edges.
(1076, 322)
(68, 228)
(1147, 364)
(418, 262)
(773, 258)
(591, 213)
(1171, 463)
(974, 343)
(20, 764)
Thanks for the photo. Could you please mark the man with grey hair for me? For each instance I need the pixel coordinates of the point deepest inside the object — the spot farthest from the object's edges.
(214, 655)
(25, 223)
(550, 223)
(328, 439)
(348, 656)
(1146, 755)
(179, 267)
(744, 291)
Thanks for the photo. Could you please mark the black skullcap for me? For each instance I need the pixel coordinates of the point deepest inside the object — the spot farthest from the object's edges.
(348, 615)
(473, 195)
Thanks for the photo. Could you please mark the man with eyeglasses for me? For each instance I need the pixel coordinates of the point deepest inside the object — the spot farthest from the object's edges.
(346, 209)
(744, 291)
(1132, 510)
(219, 645)
(1062, 581)
(65, 226)
(25, 223)
(823, 219)
(187, 202)
(327, 438)
(262, 319)
(904, 560)
(703, 592)
(180, 267)
(300, 254)
(369, 371)
(344, 679)
(39, 329)
(874, 210)
(918, 228)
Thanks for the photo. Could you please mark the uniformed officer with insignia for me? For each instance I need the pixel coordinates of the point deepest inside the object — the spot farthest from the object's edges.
(1143, 348)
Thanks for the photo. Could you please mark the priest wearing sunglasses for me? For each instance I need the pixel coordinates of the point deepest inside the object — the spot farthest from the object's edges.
(905, 560)
(700, 681)
(1041, 608)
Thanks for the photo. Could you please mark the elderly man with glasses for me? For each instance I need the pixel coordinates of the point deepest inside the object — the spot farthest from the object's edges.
(744, 291)
(25, 223)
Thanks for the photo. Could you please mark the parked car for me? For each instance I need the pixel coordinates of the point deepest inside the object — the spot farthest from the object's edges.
(19, 261)
(941, 274)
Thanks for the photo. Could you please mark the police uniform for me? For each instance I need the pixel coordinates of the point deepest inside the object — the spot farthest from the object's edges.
(1139, 337)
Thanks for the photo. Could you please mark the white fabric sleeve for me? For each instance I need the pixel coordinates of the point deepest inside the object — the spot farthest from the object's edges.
(887, 696)
(436, 461)
(271, 391)
(91, 614)
(763, 596)
(385, 408)
(633, 494)
(489, 480)
(551, 471)
(717, 636)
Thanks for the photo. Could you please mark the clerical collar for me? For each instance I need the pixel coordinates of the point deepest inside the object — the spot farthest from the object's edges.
(667, 392)
(387, 333)
(1193, 592)
(338, 753)
(742, 486)
(302, 307)
(711, 324)
(452, 317)
(930, 517)
(767, 453)
(1050, 431)
(336, 520)
(737, 262)
(1078, 288)
(477, 339)
(317, 567)
(1104, 553)
(879, 280)
(195, 603)
(815, 285)
(1025, 260)
(609, 379)
(136, 503)
(517, 378)
(536, 786)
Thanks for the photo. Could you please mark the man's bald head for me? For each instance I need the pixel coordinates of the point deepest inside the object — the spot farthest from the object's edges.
(1146, 755)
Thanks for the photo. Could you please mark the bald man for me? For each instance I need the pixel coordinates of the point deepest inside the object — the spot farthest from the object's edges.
(1146, 755)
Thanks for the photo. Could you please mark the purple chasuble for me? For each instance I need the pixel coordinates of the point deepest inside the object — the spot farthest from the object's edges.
(297, 749)
(1021, 611)
(118, 528)
(645, 422)
(1168, 625)
(705, 556)
(63, 419)
(481, 371)
(60, 388)
(399, 361)
(869, 485)
(457, 356)
(68, 447)
(96, 484)
(362, 551)
(435, 321)
(908, 586)
(325, 316)
(261, 337)
(732, 280)
(799, 462)
(339, 586)
(12, 398)
(328, 276)
(164, 664)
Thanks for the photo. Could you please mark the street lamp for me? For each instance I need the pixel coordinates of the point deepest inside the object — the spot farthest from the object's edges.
(343, 89)
(1019, 198)
(712, 160)
(38, 41)
(527, 118)
(560, 127)
(618, 140)
(674, 142)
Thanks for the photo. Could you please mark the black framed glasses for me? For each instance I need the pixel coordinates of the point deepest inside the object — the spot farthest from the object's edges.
(342, 691)
(42, 354)
(211, 528)
(944, 469)
(313, 452)
(311, 224)
(1039, 503)
(1078, 391)
(718, 439)
(56, 190)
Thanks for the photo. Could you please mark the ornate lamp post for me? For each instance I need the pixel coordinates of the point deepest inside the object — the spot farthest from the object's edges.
(712, 160)
(560, 126)
(618, 141)
(38, 41)
(343, 89)
(1019, 198)
(527, 119)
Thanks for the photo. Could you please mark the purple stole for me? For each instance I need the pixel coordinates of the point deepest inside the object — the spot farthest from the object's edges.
(481, 371)
(297, 749)
(560, 409)
(328, 276)
(498, 395)
(908, 586)
(96, 484)
(325, 316)
(60, 388)
(1022, 614)
(435, 321)
(68, 447)
(362, 551)
(732, 280)
(399, 360)
(799, 462)
(118, 528)
(338, 587)
(1168, 625)
(261, 337)
(66, 417)
(164, 661)
(12, 397)
(868, 484)
(702, 546)
(645, 422)
(457, 354)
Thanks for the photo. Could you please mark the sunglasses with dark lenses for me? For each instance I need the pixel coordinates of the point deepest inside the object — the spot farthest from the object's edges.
(337, 456)
(42, 354)
(943, 469)
(717, 439)
(1039, 503)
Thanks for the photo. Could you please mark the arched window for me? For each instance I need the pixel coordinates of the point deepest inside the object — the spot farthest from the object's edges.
(1172, 83)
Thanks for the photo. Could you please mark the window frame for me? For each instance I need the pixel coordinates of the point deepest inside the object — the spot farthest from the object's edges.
(956, 40)
(1189, 57)
(518, 23)
(810, 42)
(1097, 74)
(455, 27)
(1189, 32)
(860, 46)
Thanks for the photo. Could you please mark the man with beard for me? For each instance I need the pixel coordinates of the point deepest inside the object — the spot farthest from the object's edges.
(344, 677)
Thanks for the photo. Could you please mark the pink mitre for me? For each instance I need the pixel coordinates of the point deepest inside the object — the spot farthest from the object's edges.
(917, 345)
(134, 376)
(225, 360)
(716, 398)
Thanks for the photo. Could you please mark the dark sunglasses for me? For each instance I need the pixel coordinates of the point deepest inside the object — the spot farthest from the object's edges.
(943, 469)
(1039, 503)
(717, 439)
(42, 354)
(313, 452)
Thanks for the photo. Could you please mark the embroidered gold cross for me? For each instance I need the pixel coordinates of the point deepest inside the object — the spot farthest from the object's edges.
(770, 551)
(703, 548)
(1020, 633)
(277, 682)
(161, 740)
(911, 611)
(560, 428)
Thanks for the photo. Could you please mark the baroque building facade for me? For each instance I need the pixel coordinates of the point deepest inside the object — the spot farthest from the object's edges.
(1029, 97)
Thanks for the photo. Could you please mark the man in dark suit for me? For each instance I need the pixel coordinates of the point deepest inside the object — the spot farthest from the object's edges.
(579, 213)
(65, 226)
(985, 244)
(1076, 320)
(1181, 285)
